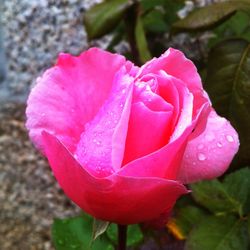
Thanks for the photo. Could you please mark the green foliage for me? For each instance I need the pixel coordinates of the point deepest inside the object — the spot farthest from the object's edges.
(141, 41)
(154, 22)
(134, 234)
(76, 234)
(237, 185)
(99, 227)
(207, 17)
(219, 233)
(85, 233)
(231, 195)
(228, 86)
(248, 222)
(238, 26)
(133, 21)
(221, 219)
(187, 217)
(104, 17)
(214, 196)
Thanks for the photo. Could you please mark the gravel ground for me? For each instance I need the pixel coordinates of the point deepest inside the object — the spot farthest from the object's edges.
(29, 195)
(37, 31)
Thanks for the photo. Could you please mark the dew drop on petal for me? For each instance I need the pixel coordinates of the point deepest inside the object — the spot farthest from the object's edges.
(219, 144)
(209, 137)
(230, 138)
(201, 157)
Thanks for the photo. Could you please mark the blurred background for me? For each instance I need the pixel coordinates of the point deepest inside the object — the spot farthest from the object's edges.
(32, 34)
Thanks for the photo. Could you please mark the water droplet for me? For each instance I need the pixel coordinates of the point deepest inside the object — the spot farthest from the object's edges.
(209, 137)
(229, 138)
(200, 146)
(194, 163)
(201, 157)
(98, 169)
(219, 144)
(121, 105)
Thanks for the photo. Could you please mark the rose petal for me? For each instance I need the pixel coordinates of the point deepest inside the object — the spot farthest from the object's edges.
(114, 198)
(68, 95)
(165, 162)
(147, 131)
(101, 147)
(169, 92)
(174, 63)
(208, 155)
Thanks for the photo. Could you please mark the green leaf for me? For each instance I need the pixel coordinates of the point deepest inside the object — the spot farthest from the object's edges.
(228, 85)
(219, 233)
(99, 227)
(154, 22)
(104, 17)
(237, 185)
(213, 196)
(248, 225)
(210, 16)
(149, 4)
(134, 234)
(231, 195)
(141, 41)
(236, 27)
(76, 233)
(187, 217)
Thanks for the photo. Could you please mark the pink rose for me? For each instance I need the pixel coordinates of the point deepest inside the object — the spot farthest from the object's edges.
(122, 140)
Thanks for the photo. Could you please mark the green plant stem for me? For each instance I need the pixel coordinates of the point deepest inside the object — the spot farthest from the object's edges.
(122, 237)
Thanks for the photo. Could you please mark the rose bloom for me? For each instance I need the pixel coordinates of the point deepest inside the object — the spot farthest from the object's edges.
(122, 140)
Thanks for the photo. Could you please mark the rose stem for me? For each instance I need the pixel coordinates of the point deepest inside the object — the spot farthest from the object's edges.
(122, 237)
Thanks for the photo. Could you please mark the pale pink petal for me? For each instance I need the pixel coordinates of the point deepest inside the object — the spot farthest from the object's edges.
(208, 155)
(70, 94)
(114, 198)
(148, 131)
(101, 147)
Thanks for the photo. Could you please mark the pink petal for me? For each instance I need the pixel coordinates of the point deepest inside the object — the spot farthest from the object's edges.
(147, 132)
(165, 162)
(174, 63)
(114, 198)
(101, 147)
(169, 92)
(208, 155)
(70, 94)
